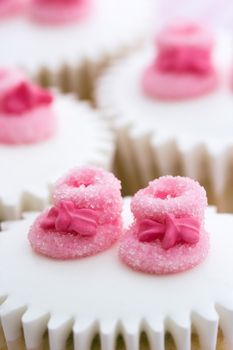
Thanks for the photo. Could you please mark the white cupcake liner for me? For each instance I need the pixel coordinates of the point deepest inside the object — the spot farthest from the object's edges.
(101, 296)
(83, 138)
(119, 344)
(71, 57)
(147, 148)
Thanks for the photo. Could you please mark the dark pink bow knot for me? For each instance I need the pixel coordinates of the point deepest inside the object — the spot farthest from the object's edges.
(194, 60)
(24, 97)
(69, 219)
(171, 232)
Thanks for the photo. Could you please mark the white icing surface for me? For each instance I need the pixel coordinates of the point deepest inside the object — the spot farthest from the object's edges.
(206, 120)
(82, 138)
(111, 25)
(101, 289)
(196, 133)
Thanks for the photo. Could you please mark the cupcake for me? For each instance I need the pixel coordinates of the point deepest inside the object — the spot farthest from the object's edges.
(95, 39)
(42, 133)
(61, 304)
(172, 110)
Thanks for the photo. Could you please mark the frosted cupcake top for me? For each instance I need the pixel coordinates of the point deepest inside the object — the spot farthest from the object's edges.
(99, 25)
(186, 121)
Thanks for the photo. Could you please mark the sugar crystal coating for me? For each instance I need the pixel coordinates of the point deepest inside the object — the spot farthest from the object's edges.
(180, 198)
(90, 188)
(58, 245)
(152, 258)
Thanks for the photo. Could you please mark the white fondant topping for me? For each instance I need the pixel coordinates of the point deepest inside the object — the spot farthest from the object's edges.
(100, 294)
(200, 122)
(205, 119)
(27, 171)
(31, 45)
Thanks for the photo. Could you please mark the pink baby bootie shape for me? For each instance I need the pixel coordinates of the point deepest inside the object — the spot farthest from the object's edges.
(183, 67)
(85, 218)
(26, 115)
(59, 11)
(9, 8)
(168, 234)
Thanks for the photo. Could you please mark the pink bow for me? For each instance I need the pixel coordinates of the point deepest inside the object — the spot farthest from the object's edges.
(183, 60)
(24, 97)
(171, 232)
(69, 219)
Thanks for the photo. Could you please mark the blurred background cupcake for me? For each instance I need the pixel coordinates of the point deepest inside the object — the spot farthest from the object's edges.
(67, 43)
(41, 134)
(171, 106)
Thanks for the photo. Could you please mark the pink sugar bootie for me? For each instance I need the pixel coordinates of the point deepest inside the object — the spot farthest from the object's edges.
(59, 11)
(10, 7)
(168, 234)
(183, 67)
(26, 115)
(85, 218)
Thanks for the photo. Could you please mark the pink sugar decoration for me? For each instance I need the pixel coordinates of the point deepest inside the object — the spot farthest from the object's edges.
(157, 245)
(153, 259)
(59, 11)
(32, 127)
(26, 115)
(58, 245)
(68, 219)
(10, 7)
(178, 196)
(170, 232)
(23, 97)
(93, 188)
(183, 67)
(174, 86)
(91, 220)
